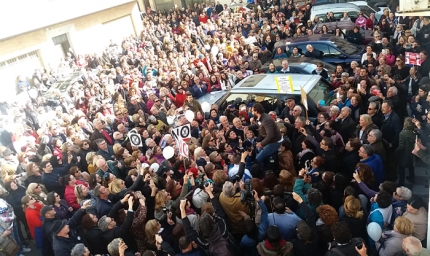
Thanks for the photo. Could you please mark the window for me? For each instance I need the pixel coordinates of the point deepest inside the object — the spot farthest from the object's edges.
(333, 52)
(322, 48)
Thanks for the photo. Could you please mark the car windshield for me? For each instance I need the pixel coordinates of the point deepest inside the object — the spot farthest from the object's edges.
(321, 91)
(366, 10)
(344, 45)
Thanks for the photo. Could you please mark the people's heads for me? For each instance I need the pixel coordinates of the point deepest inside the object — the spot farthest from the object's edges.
(411, 245)
(365, 151)
(228, 189)
(113, 247)
(278, 205)
(60, 228)
(387, 107)
(402, 193)
(404, 226)
(257, 109)
(353, 144)
(106, 223)
(80, 250)
(326, 143)
(327, 214)
(352, 207)
(374, 135)
(415, 203)
(314, 196)
(341, 232)
(383, 199)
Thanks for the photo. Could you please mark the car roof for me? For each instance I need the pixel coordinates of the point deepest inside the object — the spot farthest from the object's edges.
(334, 6)
(301, 62)
(307, 38)
(266, 83)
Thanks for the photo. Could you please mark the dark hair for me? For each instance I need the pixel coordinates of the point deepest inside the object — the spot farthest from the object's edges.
(328, 142)
(389, 187)
(206, 224)
(270, 180)
(278, 205)
(64, 181)
(50, 198)
(278, 190)
(258, 108)
(340, 181)
(350, 191)
(87, 222)
(341, 232)
(286, 144)
(73, 170)
(251, 229)
(314, 197)
(384, 199)
(389, 103)
(92, 182)
(43, 164)
(366, 174)
(184, 242)
(309, 144)
(355, 143)
(274, 236)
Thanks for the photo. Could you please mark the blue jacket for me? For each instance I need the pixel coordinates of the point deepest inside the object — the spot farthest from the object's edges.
(103, 207)
(376, 216)
(198, 92)
(375, 163)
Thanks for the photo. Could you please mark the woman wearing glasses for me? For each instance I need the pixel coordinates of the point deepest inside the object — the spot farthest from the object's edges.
(62, 210)
(38, 191)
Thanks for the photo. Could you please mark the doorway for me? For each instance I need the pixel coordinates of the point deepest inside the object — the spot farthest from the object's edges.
(63, 42)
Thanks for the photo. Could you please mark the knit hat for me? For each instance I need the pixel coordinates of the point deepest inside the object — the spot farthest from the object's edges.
(304, 231)
(44, 210)
(416, 202)
(199, 198)
(103, 224)
(58, 226)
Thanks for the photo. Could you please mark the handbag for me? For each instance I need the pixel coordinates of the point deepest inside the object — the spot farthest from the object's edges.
(9, 247)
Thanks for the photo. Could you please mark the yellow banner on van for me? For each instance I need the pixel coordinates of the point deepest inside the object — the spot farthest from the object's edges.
(284, 84)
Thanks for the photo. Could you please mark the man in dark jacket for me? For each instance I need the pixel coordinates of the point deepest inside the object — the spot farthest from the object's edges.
(51, 175)
(329, 154)
(105, 150)
(268, 129)
(391, 125)
(64, 234)
(343, 243)
(111, 231)
(344, 125)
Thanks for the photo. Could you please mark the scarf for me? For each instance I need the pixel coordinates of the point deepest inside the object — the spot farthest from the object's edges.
(299, 155)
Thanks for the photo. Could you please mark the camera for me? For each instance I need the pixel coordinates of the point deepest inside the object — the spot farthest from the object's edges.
(235, 178)
(247, 197)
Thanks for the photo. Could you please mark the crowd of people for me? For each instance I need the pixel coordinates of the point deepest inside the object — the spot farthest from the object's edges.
(255, 183)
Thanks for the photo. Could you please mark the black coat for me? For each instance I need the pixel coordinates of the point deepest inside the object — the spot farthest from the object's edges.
(391, 128)
(357, 226)
(404, 150)
(300, 247)
(93, 238)
(348, 163)
(63, 246)
(345, 128)
(330, 160)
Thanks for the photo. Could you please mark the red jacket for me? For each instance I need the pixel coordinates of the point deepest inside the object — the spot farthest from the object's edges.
(179, 99)
(69, 195)
(33, 218)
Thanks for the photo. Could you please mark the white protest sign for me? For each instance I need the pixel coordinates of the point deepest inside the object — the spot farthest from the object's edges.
(182, 133)
(135, 138)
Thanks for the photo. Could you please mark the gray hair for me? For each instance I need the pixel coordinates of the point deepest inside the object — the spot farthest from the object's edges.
(347, 108)
(368, 149)
(377, 134)
(113, 247)
(298, 108)
(394, 89)
(413, 245)
(335, 108)
(285, 61)
(228, 189)
(345, 74)
(301, 119)
(96, 121)
(99, 141)
(78, 250)
(147, 141)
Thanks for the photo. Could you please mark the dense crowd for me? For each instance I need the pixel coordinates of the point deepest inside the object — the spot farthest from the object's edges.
(255, 183)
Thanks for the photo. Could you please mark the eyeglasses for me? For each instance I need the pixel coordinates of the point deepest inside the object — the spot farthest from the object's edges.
(370, 108)
(379, 70)
(179, 89)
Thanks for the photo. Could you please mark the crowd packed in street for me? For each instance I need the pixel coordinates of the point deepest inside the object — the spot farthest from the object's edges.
(75, 181)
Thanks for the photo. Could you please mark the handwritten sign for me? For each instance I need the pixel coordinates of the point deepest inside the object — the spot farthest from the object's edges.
(284, 84)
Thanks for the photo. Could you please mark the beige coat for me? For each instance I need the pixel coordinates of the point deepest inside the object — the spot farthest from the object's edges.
(420, 223)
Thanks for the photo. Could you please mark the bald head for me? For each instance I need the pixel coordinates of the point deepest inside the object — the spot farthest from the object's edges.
(411, 245)
(102, 165)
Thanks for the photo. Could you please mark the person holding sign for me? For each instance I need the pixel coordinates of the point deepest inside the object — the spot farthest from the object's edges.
(267, 128)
